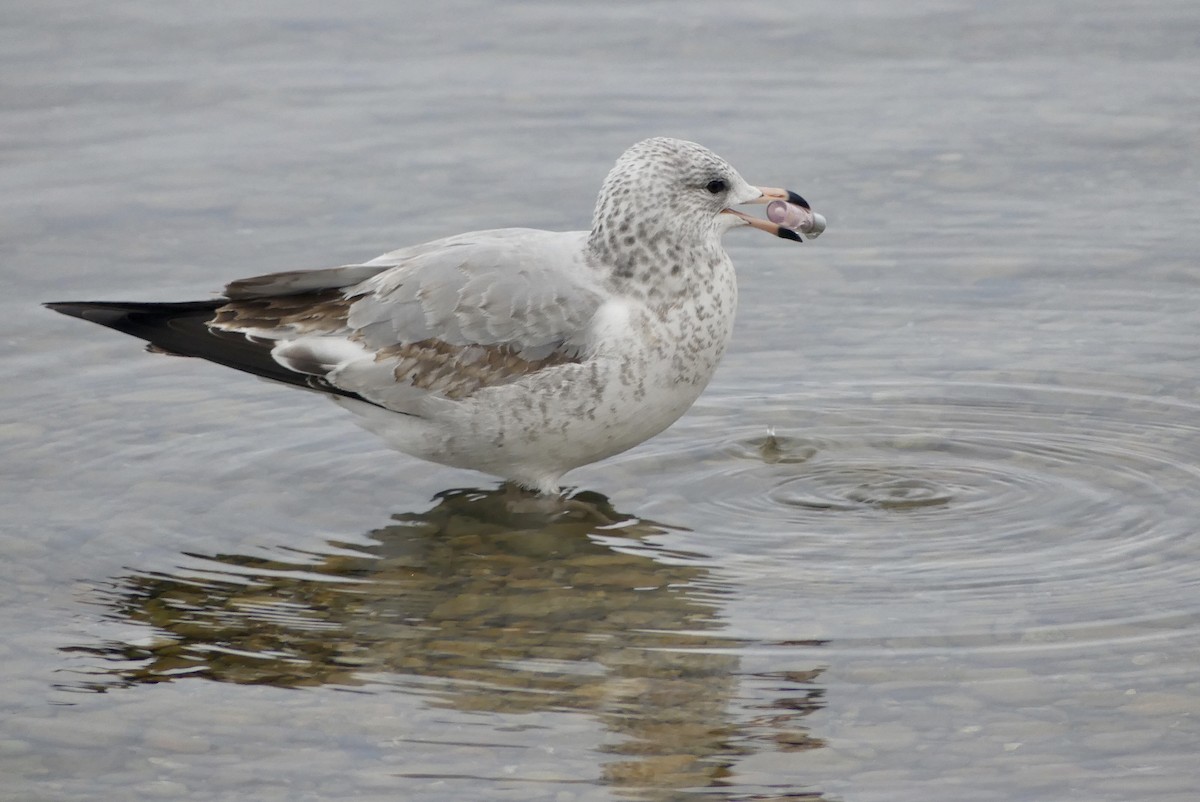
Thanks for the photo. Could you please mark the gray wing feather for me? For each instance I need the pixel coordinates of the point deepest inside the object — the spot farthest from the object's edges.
(294, 282)
(521, 292)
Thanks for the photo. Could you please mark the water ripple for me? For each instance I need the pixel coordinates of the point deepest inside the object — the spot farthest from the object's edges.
(976, 509)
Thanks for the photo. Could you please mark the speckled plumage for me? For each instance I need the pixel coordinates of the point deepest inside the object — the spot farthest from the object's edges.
(515, 352)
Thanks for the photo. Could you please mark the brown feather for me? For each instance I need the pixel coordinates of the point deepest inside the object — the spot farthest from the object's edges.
(323, 311)
(456, 371)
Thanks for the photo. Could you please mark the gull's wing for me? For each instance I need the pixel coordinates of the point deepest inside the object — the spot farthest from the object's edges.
(440, 320)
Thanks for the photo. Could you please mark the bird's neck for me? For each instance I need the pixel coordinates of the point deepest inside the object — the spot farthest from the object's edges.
(659, 269)
(656, 257)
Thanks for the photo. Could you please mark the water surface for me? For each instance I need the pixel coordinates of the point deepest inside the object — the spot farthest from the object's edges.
(930, 534)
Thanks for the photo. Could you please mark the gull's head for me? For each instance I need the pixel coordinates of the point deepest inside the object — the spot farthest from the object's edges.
(674, 191)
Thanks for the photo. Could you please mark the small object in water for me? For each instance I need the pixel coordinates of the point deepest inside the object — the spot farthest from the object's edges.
(797, 218)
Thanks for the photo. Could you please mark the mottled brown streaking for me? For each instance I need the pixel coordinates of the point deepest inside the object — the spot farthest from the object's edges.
(458, 371)
(324, 311)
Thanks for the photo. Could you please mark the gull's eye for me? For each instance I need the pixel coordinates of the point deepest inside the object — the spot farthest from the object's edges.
(716, 186)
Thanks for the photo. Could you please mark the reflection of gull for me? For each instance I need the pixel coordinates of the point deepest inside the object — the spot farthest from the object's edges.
(515, 352)
(479, 606)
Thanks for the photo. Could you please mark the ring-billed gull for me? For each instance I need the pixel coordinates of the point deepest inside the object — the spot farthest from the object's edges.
(516, 352)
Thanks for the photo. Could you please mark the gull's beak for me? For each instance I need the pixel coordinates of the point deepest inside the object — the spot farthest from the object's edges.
(766, 195)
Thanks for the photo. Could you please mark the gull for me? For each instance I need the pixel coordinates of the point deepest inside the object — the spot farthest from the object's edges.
(516, 352)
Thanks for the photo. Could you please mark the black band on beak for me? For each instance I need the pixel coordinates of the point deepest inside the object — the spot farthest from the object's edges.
(799, 201)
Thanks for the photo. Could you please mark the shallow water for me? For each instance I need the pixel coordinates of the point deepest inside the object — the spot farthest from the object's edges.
(930, 534)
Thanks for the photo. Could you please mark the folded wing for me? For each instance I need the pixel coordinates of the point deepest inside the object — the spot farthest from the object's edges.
(436, 322)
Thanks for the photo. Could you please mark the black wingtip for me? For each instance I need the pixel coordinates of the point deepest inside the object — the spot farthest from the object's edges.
(182, 329)
(94, 311)
(64, 307)
(144, 320)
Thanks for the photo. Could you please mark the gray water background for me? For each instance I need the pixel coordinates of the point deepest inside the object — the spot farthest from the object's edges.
(964, 566)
